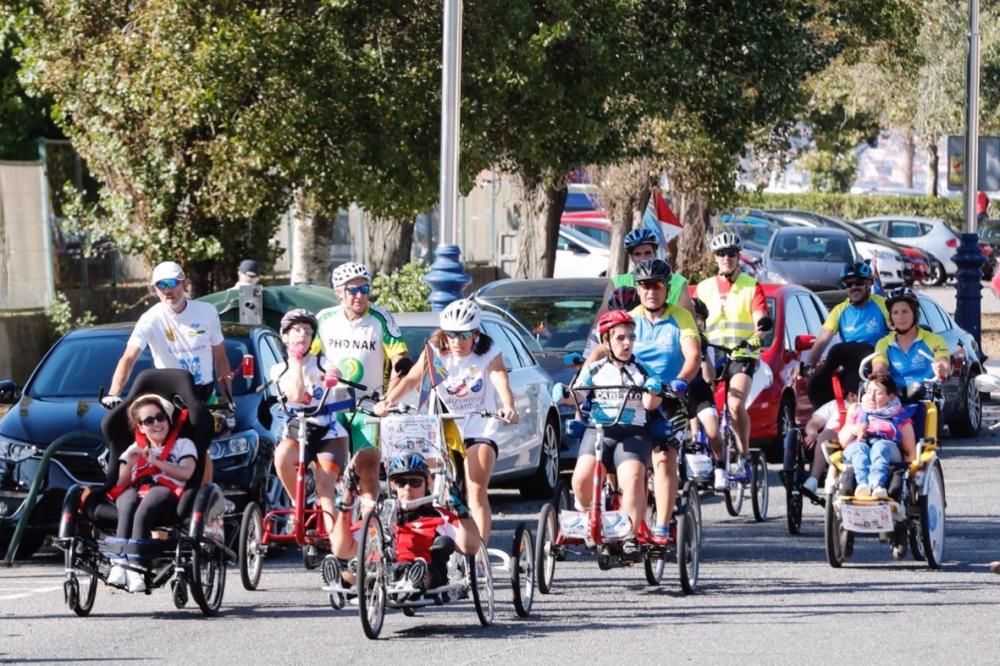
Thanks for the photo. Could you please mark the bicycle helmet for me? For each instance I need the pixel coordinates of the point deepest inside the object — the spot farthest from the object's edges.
(410, 463)
(902, 294)
(725, 241)
(612, 318)
(344, 273)
(623, 298)
(859, 269)
(461, 315)
(700, 309)
(296, 316)
(637, 237)
(652, 269)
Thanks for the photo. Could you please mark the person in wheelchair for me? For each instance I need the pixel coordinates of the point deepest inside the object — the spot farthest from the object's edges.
(877, 429)
(425, 537)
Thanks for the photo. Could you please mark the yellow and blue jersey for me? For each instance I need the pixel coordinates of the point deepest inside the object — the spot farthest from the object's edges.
(916, 363)
(866, 323)
(658, 344)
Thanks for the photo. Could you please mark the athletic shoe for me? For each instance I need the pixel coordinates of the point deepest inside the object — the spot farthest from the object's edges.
(879, 492)
(721, 482)
(863, 491)
(136, 582)
(630, 550)
(416, 573)
(117, 575)
(664, 535)
(811, 485)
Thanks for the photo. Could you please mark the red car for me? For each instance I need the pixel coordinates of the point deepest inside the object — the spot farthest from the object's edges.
(918, 264)
(592, 223)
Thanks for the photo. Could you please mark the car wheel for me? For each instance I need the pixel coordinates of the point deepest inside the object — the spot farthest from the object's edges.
(542, 484)
(936, 275)
(968, 416)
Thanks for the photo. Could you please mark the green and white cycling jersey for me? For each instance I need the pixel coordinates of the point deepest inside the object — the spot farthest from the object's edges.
(361, 348)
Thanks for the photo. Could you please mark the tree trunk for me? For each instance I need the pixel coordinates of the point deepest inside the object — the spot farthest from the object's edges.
(932, 166)
(390, 242)
(908, 150)
(538, 228)
(625, 214)
(303, 239)
(319, 261)
(692, 247)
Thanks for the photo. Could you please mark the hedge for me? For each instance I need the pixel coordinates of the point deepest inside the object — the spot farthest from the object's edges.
(855, 206)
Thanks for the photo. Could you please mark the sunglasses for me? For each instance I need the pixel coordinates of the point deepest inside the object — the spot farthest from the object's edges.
(652, 284)
(169, 283)
(459, 335)
(159, 417)
(361, 289)
(411, 481)
(727, 253)
(622, 337)
(855, 283)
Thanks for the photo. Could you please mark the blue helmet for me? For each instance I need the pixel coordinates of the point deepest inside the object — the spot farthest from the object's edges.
(859, 269)
(637, 237)
(411, 463)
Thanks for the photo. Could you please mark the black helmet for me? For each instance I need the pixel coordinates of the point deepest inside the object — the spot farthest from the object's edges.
(623, 298)
(700, 308)
(898, 294)
(652, 269)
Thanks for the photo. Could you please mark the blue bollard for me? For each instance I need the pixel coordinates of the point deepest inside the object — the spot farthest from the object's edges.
(447, 277)
(968, 301)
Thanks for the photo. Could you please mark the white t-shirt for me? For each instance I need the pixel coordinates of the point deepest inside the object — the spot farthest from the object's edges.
(312, 377)
(183, 448)
(360, 348)
(183, 340)
(830, 415)
(467, 389)
(606, 403)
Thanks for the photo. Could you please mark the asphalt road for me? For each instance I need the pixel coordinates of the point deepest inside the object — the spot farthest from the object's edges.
(764, 597)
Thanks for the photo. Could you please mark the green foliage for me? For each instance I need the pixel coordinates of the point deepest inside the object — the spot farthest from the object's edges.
(60, 315)
(403, 290)
(854, 206)
(831, 170)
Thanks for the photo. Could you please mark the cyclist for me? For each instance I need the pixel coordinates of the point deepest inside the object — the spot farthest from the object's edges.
(628, 449)
(910, 353)
(701, 397)
(180, 333)
(641, 245)
(475, 380)
(300, 380)
(737, 311)
(362, 343)
(861, 317)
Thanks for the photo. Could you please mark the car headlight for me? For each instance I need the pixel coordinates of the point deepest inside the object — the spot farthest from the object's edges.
(16, 451)
(232, 446)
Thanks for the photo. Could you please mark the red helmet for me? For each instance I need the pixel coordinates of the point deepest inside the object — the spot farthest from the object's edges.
(612, 318)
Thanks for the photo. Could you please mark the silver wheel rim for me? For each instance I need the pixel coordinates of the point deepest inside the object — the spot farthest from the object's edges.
(254, 558)
(935, 515)
(526, 568)
(974, 404)
(550, 449)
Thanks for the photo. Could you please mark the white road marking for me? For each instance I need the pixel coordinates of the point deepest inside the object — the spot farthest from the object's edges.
(38, 590)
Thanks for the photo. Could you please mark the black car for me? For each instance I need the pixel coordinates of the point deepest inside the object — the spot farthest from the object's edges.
(963, 404)
(61, 396)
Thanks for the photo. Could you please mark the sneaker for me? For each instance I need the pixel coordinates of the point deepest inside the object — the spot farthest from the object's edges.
(116, 576)
(811, 485)
(630, 550)
(721, 482)
(863, 491)
(879, 492)
(664, 535)
(136, 582)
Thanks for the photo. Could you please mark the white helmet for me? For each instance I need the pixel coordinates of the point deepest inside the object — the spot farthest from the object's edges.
(344, 273)
(461, 315)
(725, 241)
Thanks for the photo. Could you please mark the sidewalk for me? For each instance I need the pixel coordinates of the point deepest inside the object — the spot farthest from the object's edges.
(945, 297)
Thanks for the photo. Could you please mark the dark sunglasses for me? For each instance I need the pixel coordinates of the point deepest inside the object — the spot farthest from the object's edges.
(411, 481)
(855, 283)
(651, 284)
(459, 335)
(361, 289)
(169, 283)
(727, 253)
(159, 417)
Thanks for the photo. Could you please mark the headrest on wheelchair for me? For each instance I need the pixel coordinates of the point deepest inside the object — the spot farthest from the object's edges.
(177, 386)
(844, 355)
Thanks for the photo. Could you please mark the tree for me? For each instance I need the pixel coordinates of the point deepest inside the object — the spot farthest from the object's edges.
(23, 119)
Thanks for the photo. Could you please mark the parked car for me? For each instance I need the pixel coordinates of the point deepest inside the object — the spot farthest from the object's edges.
(887, 256)
(593, 224)
(581, 197)
(529, 451)
(61, 396)
(810, 257)
(931, 235)
(963, 406)
(579, 256)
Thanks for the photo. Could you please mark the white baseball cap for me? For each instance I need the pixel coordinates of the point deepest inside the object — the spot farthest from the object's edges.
(166, 271)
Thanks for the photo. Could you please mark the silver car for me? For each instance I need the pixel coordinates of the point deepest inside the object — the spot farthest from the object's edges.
(930, 234)
(529, 451)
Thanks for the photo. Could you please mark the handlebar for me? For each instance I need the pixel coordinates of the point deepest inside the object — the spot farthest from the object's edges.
(322, 406)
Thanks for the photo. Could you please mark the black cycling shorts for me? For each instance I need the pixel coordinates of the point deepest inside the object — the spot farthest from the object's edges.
(621, 443)
(317, 442)
(739, 366)
(699, 397)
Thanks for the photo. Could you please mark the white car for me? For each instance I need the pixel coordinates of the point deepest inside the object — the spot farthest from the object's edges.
(529, 450)
(578, 255)
(932, 235)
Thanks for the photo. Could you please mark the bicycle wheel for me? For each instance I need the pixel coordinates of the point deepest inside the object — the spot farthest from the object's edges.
(522, 570)
(688, 553)
(653, 566)
(208, 577)
(734, 489)
(545, 547)
(832, 530)
(371, 576)
(759, 486)
(481, 582)
(251, 557)
(80, 589)
(932, 505)
(694, 507)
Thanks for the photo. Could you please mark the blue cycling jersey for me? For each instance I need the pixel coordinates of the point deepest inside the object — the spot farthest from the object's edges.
(865, 323)
(658, 344)
(916, 363)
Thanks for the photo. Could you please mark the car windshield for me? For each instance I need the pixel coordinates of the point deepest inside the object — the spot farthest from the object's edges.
(811, 247)
(556, 323)
(78, 367)
(415, 337)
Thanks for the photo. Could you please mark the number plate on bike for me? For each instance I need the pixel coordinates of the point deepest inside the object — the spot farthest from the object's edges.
(866, 517)
(421, 434)
(574, 524)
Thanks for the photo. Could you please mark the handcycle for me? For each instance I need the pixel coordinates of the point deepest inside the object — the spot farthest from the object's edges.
(913, 514)
(308, 529)
(604, 526)
(192, 555)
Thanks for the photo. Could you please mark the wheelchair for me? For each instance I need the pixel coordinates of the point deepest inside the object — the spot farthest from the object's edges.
(191, 556)
(913, 515)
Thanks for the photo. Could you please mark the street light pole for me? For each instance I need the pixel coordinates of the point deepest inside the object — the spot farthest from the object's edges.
(969, 257)
(447, 276)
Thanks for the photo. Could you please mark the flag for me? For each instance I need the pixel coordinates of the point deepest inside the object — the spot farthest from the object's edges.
(434, 374)
(877, 287)
(660, 219)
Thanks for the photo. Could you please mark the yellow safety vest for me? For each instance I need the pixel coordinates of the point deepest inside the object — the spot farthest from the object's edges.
(731, 321)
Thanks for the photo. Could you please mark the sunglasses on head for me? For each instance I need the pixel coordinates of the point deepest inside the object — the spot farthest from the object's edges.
(728, 253)
(360, 289)
(459, 335)
(411, 481)
(651, 284)
(169, 283)
(859, 282)
(158, 417)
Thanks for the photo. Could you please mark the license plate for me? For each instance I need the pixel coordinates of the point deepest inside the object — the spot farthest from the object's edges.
(867, 517)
